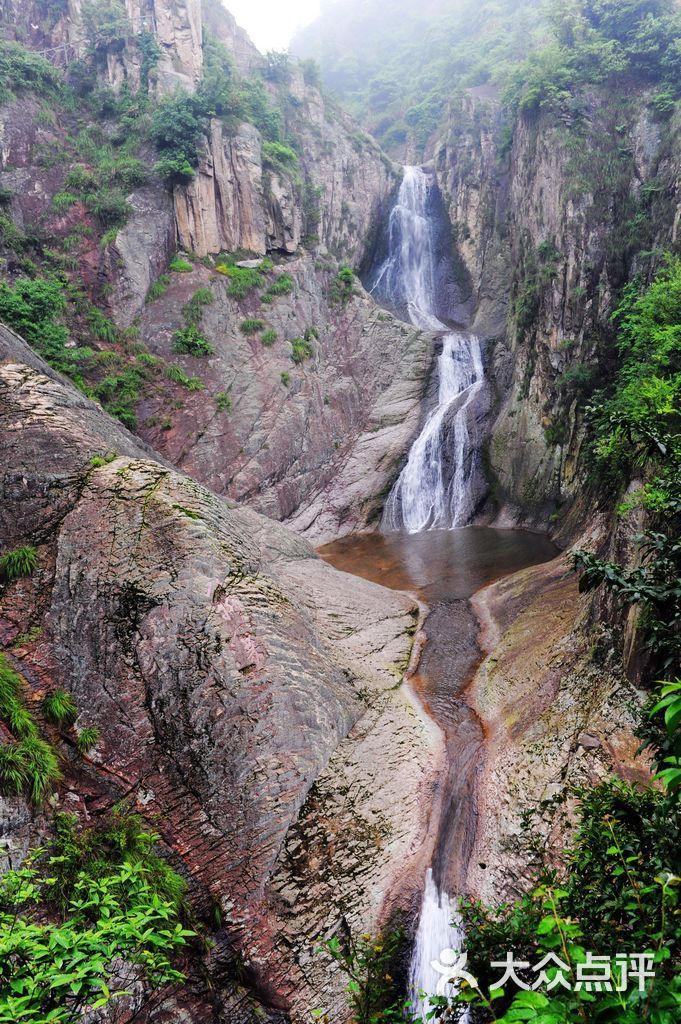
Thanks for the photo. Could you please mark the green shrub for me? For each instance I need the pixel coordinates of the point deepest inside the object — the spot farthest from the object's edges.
(342, 286)
(97, 461)
(180, 266)
(174, 169)
(277, 66)
(80, 181)
(223, 401)
(31, 307)
(177, 374)
(301, 350)
(279, 157)
(28, 765)
(577, 380)
(268, 337)
(101, 326)
(120, 392)
(109, 206)
(63, 201)
(251, 326)
(91, 900)
(21, 70)
(242, 280)
(285, 378)
(190, 341)
(370, 964)
(10, 235)
(18, 563)
(126, 171)
(192, 311)
(282, 285)
(59, 708)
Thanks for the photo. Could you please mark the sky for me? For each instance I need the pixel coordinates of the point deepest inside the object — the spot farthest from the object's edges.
(271, 23)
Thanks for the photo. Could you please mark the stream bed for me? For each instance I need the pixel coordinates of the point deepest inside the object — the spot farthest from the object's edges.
(444, 568)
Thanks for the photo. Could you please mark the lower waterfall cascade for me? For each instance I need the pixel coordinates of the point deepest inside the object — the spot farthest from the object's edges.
(442, 482)
(438, 930)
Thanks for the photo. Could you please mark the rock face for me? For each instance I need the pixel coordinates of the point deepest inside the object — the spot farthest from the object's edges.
(70, 30)
(223, 25)
(318, 440)
(534, 227)
(223, 208)
(247, 693)
(239, 200)
(141, 251)
(557, 711)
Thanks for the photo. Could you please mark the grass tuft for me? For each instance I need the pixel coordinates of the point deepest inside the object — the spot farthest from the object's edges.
(18, 563)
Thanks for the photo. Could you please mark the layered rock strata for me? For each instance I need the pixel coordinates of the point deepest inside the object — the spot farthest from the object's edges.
(248, 696)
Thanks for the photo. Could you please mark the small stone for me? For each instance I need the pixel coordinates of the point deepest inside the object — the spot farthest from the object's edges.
(589, 742)
(249, 264)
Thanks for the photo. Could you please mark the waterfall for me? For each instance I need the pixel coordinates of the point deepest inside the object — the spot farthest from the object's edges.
(438, 930)
(442, 482)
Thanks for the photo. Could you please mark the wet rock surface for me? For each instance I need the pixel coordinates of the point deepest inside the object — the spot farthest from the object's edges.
(558, 713)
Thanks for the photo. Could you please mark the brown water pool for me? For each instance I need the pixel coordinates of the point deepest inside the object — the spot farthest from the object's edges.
(445, 568)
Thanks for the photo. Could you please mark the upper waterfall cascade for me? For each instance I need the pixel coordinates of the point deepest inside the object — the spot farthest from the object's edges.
(442, 482)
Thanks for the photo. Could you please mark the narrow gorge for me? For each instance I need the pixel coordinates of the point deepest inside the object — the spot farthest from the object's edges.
(340, 630)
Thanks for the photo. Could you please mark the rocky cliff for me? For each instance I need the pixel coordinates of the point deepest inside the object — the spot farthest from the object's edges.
(549, 240)
(77, 29)
(261, 422)
(247, 694)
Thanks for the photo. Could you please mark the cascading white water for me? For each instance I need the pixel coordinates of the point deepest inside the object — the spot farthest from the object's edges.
(441, 483)
(438, 930)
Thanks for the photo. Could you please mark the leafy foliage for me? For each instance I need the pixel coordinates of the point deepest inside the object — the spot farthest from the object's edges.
(80, 916)
(282, 285)
(398, 74)
(342, 287)
(279, 157)
(190, 341)
(367, 963)
(23, 71)
(638, 424)
(179, 265)
(301, 349)
(87, 740)
(158, 288)
(251, 326)
(641, 417)
(223, 401)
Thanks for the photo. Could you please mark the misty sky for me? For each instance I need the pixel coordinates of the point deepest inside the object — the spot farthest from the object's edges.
(271, 23)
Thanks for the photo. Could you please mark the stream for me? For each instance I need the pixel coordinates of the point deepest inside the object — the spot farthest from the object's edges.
(444, 568)
(426, 548)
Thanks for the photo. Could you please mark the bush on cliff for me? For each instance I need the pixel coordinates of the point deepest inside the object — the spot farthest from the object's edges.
(86, 920)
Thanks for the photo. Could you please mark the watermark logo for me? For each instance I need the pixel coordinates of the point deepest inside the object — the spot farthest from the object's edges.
(451, 966)
(596, 973)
